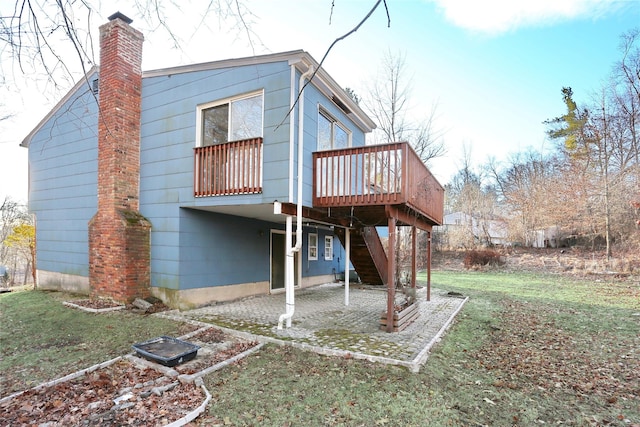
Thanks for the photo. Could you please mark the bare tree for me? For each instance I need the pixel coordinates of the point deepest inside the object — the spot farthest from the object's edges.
(55, 40)
(12, 214)
(536, 192)
(625, 91)
(25, 33)
(475, 200)
(388, 103)
(599, 141)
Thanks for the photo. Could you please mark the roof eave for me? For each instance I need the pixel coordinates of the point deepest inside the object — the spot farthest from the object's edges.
(329, 87)
(83, 81)
(225, 63)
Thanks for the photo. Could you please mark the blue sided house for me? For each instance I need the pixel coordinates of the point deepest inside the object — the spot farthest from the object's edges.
(215, 181)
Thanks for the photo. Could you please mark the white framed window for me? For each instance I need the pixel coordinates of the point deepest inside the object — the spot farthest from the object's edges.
(328, 248)
(313, 246)
(231, 119)
(331, 133)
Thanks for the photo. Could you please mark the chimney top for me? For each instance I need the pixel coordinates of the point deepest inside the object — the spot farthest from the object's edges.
(122, 16)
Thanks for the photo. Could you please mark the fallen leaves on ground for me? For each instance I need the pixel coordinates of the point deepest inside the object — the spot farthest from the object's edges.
(229, 351)
(120, 394)
(96, 303)
(528, 347)
(157, 305)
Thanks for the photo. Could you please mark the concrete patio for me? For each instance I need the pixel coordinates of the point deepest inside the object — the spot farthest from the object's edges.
(322, 323)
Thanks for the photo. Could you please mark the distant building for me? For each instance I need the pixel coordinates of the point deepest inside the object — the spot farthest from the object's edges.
(544, 238)
(462, 230)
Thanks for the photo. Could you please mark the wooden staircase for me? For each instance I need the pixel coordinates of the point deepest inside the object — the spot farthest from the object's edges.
(367, 254)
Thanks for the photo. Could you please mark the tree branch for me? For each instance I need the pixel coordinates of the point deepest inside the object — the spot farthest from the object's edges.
(356, 28)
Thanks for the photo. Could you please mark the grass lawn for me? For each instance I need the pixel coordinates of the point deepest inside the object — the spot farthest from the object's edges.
(525, 350)
(41, 339)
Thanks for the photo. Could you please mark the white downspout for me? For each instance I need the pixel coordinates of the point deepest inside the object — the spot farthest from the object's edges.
(290, 258)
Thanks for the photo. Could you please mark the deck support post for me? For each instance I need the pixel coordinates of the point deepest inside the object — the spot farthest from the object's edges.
(413, 255)
(347, 261)
(429, 265)
(391, 272)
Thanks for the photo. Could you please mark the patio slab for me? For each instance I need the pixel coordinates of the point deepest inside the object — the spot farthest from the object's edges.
(322, 323)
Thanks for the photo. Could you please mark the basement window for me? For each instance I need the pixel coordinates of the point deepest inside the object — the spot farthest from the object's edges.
(313, 246)
(328, 248)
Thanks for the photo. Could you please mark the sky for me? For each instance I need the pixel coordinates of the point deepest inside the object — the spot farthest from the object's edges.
(493, 69)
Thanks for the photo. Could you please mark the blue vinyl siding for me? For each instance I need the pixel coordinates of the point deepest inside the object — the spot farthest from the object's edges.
(313, 99)
(321, 266)
(63, 177)
(190, 248)
(195, 237)
(180, 258)
(220, 249)
(169, 130)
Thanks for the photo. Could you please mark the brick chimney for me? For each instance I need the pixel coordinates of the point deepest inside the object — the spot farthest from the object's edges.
(119, 236)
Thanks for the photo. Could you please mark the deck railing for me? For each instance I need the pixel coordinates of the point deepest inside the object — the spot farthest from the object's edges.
(386, 174)
(229, 168)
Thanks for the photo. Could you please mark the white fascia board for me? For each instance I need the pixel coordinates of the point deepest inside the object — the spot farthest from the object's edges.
(225, 63)
(330, 88)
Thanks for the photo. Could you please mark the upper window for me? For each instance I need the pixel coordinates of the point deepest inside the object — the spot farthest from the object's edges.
(231, 120)
(331, 134)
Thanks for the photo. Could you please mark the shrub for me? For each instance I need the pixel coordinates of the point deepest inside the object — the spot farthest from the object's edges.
(480, 258)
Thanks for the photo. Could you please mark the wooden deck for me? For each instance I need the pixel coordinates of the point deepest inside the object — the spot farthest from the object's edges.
(368, 180)
(355, 188)
(363, 184)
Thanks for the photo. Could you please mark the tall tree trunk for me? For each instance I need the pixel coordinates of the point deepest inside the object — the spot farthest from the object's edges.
(26, 274)
(32, 252)
(607, 215)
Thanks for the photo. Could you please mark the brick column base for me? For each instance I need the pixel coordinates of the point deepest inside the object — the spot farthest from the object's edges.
(119, 255)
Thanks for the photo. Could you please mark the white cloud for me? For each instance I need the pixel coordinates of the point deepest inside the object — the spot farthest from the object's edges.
(499, 16)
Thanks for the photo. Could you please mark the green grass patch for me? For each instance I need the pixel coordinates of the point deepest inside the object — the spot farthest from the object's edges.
(553, 288)
(286, 386)
(41, 339)
(525, 350)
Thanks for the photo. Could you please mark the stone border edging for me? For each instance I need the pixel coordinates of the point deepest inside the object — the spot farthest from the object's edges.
(93, 310)
(177, 423)
(220, 365)
(422, 357)
(196, 412)
(166, 371)
(69, 377)
(413, 366)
